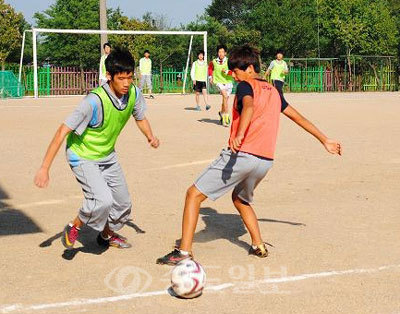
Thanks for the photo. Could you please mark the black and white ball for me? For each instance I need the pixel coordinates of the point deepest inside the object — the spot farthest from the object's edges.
(188, 279)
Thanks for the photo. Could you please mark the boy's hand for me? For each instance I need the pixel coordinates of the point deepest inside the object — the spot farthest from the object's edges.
(333, 147)
(236, 143)
(42, 178)
(194, 82)
(154, 142)
(211, 80)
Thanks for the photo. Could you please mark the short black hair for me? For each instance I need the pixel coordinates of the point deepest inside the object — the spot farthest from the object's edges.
(105, 45)
(120, 61)
(279, 51)
(244, 56)
(222, 47)
(201, 52)
(146, 51)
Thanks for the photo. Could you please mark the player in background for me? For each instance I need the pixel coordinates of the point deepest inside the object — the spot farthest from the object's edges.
(241, 167)
(220, 76)
(198, 74)
(145, 66)
(92, 131)
(102, 68)
(278, 69)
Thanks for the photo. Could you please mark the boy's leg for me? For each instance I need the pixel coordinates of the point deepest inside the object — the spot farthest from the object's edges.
(205, 96)
(197, 100)
(96, 205)
(222, 175)
(249, 218)
(121, 206)
(242, 196)
(150, 86)
(190, 216)
(142, 82)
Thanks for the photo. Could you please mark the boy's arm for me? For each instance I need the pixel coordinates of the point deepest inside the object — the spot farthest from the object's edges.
(245, 119)
(192, 73)
(332, 146)
(42, 176)
(286, 69)
(145, 128)
(271, 66)
(210, 72)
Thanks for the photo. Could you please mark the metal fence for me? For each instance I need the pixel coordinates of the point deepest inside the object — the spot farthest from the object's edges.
(328, 75)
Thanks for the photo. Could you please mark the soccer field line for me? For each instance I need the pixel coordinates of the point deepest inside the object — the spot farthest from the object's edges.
(217, 288)
(186, 164)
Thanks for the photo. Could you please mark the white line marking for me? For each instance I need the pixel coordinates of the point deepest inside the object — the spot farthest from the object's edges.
(193, 163)
(80, 302)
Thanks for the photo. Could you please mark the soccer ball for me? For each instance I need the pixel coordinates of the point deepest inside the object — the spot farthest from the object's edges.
(188, 279)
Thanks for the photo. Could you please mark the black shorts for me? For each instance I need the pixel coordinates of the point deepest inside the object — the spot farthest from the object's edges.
(199, 86)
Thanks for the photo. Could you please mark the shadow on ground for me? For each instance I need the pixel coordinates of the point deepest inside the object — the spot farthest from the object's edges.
(211, 121)
(13, 221)
(227, 226)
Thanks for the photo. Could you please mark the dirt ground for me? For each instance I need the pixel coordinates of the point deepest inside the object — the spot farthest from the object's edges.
(332, 222)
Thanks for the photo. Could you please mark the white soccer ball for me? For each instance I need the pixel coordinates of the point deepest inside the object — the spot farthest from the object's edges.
(188, 279)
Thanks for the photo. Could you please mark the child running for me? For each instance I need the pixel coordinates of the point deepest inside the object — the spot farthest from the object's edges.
(198, 74)
(250, 155)
(92, 131)
(220, 76)
(278, 69)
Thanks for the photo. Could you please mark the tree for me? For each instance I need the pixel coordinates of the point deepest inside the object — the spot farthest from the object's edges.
(72, 49)
(285, 24)
(10, 32)
(359, 27)
(230, 13)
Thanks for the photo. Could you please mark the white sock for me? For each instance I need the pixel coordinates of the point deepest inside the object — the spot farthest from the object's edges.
(184, 252)
(254, 247)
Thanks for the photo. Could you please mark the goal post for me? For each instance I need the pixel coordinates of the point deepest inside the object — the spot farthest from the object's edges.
(38, 31)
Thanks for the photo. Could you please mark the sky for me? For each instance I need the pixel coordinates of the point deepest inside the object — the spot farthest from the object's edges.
(177, 11)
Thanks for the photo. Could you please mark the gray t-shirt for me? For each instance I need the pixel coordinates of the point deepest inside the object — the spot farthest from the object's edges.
(89, 112)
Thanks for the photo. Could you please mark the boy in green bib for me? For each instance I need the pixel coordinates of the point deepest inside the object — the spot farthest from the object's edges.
(102, 68)
(221, 77)
(199, 79)
(92, 131)
(278, 69)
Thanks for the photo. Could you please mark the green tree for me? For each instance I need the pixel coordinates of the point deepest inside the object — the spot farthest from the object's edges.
(230, 13)
(285, 24)
(10, 31)
(359, 27)
(72, 49)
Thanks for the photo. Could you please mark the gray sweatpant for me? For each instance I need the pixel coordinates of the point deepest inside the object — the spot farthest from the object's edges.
(106, 193)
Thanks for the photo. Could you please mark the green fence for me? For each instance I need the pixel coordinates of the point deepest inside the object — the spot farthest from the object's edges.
(301, 78)
(310, 79)
(9, 85)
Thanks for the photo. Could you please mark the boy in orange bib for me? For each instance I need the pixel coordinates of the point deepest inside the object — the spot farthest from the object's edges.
(250, 155)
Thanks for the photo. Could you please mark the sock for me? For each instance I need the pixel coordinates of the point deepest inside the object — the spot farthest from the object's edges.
(254, 247)
(183, 252)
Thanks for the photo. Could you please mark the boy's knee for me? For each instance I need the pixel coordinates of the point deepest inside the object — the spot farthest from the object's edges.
(193, 192)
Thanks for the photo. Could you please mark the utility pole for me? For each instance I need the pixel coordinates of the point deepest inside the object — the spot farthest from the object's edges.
(318, 39)
(103, 21)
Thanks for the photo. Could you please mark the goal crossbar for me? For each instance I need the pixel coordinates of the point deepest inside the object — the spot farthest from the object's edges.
(36, 31)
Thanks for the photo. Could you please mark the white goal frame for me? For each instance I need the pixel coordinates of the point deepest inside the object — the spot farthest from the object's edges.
(37, 31)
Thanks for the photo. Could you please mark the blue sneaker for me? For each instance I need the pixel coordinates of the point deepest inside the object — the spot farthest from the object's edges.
(208, 107)
(197, 108)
